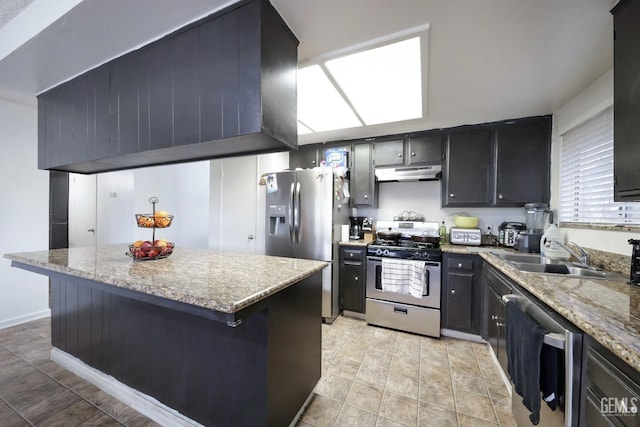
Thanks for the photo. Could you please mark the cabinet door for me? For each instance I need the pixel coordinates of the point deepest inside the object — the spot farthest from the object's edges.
(352, 286)
(468, 168)
(424, 149)
(98, 116)
(160, 95)
(459, 302)
(305, 157)
(129, 98)
(522, 168)
(493, 313)
(186, 87)
(362, 178)
(388, 153)
(626, 79)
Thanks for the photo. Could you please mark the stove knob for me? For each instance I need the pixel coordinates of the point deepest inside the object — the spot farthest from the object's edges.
(385, 252)
(378, 252)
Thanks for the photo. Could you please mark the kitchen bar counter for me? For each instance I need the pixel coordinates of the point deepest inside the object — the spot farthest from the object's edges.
(222, 281)
(222, 338)
(608, 310)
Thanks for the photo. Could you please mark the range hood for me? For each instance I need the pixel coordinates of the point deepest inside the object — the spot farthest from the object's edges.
(409, 173)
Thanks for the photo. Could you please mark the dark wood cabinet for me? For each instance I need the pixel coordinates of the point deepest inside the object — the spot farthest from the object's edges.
(462, 293)
(523, 150)
(502, 164)
(424, 148)
(626, 105)
(305, 157)
(414, 149)
(363, 184)
(494, 286)
(223, 86)
(467, 178)
(352, 278)
(389, 153)
(610, 388)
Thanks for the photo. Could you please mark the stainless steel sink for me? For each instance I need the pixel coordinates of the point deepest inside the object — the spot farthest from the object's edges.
(567, 269)
(528, 258)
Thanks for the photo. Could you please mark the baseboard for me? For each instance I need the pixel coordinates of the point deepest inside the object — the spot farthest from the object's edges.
(18, 320)
(354, 314)
(462, 335)
(143, 403)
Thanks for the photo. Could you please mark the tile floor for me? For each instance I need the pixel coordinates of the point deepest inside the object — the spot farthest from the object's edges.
(370, 377)
(36, 391)
(378, 377)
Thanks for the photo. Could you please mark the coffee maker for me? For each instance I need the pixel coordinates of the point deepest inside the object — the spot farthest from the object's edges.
(536, 215)
(356, 229)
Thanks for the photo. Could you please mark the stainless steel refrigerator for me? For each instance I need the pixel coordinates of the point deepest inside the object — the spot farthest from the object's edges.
(305, 212)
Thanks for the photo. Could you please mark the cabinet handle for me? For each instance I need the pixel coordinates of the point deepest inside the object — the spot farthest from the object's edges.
(250, 237)
(413, 154)
(366, 197)
(399, 154)
(313, 162)
(499, 325)
(453, 291)
(451, 195)
(500, 196)
(355, 278)
(351, 255)
(459, 265)
(494, 317)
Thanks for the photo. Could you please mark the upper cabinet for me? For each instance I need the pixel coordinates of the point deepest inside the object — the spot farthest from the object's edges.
(363, 185)
(412, 150)
(388, 153)
(222, 86)
(305, 157)
(626, 106)
(503, 164)
(467, 177)
(425, 147)
(523, 150)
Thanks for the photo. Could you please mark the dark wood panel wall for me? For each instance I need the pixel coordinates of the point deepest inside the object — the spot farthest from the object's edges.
(258, 373)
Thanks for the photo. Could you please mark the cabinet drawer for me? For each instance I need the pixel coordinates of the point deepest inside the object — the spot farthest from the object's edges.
(352, 254)
(606, 381)
(420, 320)
(593, 412)
(461, 264)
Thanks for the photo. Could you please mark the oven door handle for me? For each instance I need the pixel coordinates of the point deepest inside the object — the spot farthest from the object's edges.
(425, 280)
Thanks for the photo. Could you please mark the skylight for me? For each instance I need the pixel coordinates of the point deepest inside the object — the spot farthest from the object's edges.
(377, 85)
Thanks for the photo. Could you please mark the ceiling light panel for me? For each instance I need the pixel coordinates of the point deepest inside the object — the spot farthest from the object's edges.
(320, 106)
(383, 84)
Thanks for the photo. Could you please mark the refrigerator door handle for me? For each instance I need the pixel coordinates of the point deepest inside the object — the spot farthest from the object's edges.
(291, 212)
(296, 211)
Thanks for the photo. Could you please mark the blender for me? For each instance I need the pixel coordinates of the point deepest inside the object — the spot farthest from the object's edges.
(536, 215)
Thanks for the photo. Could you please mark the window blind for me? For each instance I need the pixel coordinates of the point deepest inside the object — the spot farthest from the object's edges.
(586, 175)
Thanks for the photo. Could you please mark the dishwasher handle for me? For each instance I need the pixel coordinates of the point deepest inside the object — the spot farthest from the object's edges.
(553, 339)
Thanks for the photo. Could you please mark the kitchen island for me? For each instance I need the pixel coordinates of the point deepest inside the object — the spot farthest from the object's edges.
(222, 338)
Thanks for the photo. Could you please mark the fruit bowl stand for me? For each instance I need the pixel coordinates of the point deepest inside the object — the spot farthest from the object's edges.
(149, 250)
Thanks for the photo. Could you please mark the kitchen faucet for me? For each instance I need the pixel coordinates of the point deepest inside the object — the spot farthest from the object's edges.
(583, 256)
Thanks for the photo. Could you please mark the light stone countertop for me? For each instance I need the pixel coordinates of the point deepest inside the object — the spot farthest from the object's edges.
(222, 281)
(608, 310)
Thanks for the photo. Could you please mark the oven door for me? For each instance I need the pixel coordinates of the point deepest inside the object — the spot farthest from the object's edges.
(374, 290)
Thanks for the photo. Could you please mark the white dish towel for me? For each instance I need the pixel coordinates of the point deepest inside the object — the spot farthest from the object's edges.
(403, 276)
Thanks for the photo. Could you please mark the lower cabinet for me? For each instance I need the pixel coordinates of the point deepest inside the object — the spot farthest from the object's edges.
(352, 278)
(610, 394)
(462, 294)
(495, 285)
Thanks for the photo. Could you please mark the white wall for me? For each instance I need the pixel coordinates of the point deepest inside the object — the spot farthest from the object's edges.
(589, 102)
(24, 197)
(115, 213)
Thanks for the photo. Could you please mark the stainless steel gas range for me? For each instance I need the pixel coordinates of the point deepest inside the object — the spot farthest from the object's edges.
(403, 277)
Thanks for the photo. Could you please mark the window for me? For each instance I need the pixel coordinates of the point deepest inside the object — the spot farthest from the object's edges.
(586, 175)
(381, 82)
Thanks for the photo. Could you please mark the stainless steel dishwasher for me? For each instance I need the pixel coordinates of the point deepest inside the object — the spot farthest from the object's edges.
(562, 335)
